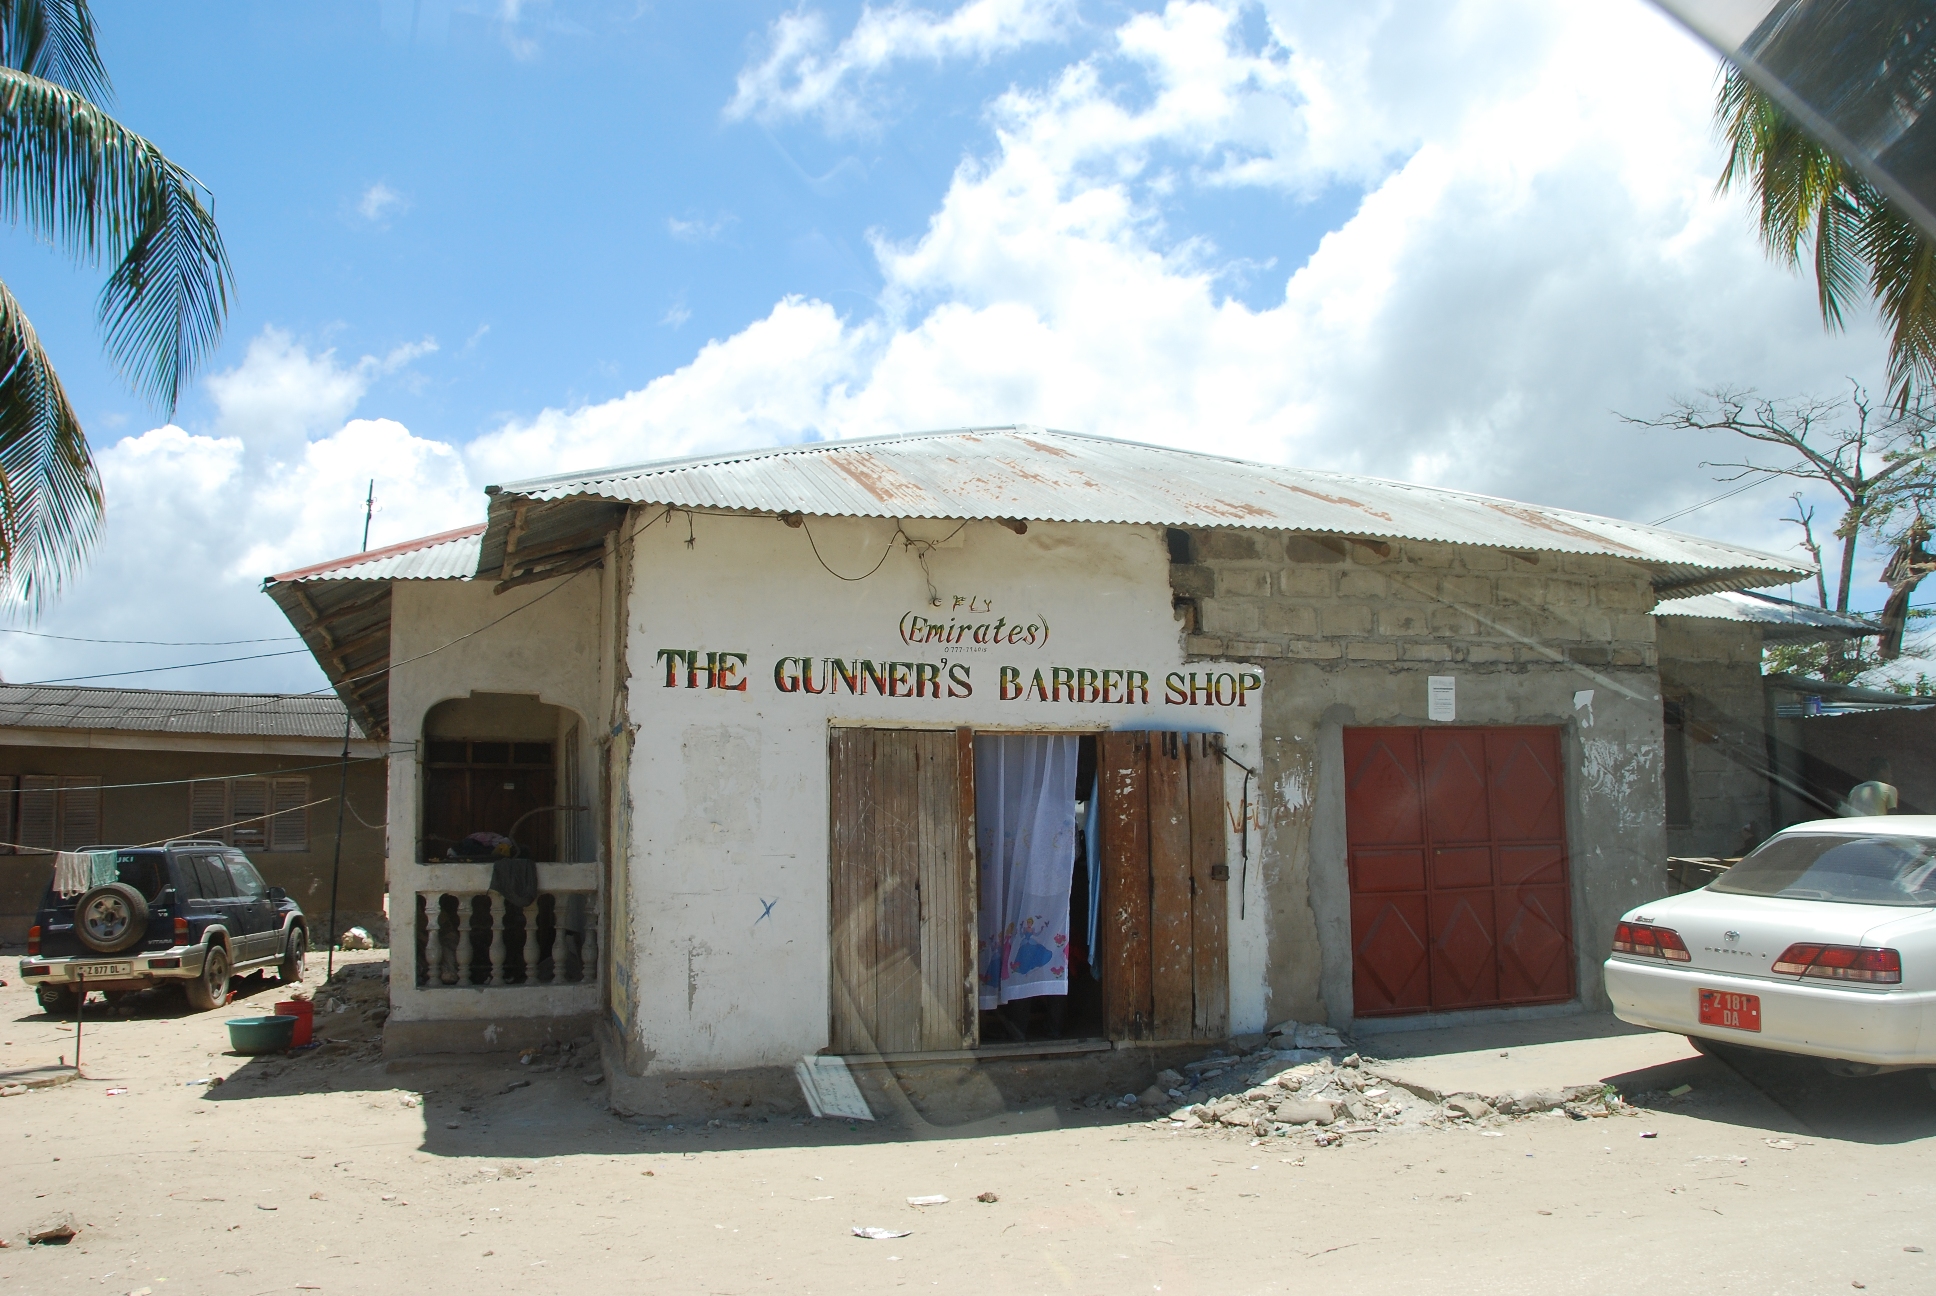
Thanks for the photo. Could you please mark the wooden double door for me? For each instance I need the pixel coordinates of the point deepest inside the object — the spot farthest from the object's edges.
(1460, 896)
(905, 888)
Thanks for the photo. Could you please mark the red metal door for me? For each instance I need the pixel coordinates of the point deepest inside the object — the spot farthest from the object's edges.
(1456, 839)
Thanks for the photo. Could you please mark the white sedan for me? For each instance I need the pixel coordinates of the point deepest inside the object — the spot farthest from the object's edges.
(1821, 942)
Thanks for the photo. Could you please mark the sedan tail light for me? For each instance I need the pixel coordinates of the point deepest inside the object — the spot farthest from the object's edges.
(1649, 941)
(33, 940)
(1841, 963)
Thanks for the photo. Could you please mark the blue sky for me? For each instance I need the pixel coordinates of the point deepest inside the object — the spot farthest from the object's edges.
(482, 239)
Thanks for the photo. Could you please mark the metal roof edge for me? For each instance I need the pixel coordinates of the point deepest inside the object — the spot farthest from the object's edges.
(375, 555)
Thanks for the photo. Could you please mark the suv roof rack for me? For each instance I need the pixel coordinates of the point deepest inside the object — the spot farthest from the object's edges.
(193, 841)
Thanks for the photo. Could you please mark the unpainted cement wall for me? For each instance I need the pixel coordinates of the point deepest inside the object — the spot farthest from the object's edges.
(1348, 633)
(1713, 668)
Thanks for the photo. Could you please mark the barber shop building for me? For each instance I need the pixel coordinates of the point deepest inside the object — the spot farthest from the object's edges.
(944, 742)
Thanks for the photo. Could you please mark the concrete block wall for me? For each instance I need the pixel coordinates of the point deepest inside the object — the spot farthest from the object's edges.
(1265, 596)
(1713, 669)
(1348, 631)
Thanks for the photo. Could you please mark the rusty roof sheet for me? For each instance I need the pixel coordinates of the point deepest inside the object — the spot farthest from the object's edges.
(449, 555)
(265, 715)
(1779, 618)
(1040, 475)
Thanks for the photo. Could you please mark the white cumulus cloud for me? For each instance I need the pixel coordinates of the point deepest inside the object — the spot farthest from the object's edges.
(805, 74)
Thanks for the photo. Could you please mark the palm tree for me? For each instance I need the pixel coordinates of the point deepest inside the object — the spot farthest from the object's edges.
(1811, 198)
(79, 179)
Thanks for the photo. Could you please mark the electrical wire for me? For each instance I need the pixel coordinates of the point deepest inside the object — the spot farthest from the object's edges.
(153, 643)
(1695, 508)
(153, 670)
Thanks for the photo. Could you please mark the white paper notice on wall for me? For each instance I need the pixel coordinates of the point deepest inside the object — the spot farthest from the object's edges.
(1583, 701)
(1441, 698)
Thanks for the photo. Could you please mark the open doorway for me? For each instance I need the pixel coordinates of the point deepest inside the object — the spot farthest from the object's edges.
(1033, 798)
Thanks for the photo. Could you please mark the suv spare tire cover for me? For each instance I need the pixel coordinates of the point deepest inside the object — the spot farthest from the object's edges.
(111, 918)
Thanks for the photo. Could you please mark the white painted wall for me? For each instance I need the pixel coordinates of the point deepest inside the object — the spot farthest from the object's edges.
(548, 649)
(728, 878)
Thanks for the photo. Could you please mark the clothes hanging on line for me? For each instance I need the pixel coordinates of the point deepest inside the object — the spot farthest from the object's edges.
(78, 871)
(1025, 814)
(72, 874)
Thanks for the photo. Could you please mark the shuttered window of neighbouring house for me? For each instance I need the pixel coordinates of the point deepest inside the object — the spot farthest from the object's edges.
(289, 830)
(40, 811)
(208, 809)
(80, 812)
(7, 816)
(1163, 950)
(903, 892)
(248, 810)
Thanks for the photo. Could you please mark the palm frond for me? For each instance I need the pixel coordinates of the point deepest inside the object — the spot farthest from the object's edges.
(54, 39)
(75, 176)
(1902, 264)
(50, 493)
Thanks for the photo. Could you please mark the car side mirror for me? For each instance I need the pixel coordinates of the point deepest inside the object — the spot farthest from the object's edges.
(277, 894)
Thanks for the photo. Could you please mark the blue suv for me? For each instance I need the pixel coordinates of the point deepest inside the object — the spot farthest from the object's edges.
(191, 912)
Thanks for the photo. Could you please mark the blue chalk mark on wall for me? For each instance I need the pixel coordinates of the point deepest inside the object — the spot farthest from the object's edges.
(767, 911)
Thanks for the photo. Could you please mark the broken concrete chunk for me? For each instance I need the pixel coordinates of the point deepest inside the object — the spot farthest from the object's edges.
(1470, 1106)
(57, 1229)
(1153, 1097)
(1239, 1117)
(1260, 1093)
(1298, 1111)
(1169, 1079)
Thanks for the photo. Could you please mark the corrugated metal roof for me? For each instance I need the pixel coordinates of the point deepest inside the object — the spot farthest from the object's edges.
(1779, 618)
(262, 715)
(1040, 475)
(449, 555)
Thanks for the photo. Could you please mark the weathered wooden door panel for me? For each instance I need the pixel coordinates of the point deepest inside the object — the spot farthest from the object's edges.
(1172, 939)
(901, 891)
(1472, 908)
(1165, 957)
(1209, 887)
(1122, 781)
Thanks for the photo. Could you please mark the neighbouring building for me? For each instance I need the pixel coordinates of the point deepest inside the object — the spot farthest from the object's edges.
(917, 744)
(1729, 781)
(97, 766)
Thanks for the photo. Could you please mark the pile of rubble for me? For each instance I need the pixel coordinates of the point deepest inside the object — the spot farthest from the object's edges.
(1303, 1079)
(353, 1003)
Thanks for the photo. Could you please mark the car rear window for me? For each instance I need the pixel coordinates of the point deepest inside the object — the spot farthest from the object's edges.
(1869, 868)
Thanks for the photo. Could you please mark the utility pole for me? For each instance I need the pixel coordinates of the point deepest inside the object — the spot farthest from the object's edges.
(343, 783)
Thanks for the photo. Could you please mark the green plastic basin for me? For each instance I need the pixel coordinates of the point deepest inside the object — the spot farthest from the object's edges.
(261, 1034)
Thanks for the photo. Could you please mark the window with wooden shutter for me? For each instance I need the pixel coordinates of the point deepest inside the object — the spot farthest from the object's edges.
(289, 830)
(40, 811)
(249, 810)
(208, 809)
(80, 812)
(7, 784)
(1164, 952)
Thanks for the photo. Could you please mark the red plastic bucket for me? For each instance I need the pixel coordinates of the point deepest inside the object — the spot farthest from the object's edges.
(305, 1014)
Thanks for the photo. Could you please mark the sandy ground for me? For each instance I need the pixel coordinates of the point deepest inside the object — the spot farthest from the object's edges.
(338, 1173)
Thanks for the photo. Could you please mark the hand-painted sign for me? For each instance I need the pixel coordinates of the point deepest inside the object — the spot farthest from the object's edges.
(861, 677)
